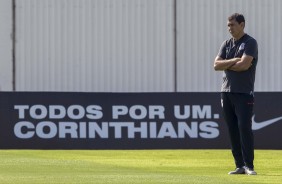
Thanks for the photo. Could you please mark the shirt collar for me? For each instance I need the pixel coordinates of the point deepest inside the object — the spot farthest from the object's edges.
(238, 41)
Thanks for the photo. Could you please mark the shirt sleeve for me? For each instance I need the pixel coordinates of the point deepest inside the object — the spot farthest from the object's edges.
(222, 50)
(251, 48)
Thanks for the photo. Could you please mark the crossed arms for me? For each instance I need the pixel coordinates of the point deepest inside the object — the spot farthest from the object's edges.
(235, 64)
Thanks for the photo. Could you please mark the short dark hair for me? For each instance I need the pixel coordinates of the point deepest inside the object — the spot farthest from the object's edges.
(238, 17)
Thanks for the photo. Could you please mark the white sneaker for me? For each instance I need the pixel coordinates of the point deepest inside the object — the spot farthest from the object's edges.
(250, 171)
(240, 170)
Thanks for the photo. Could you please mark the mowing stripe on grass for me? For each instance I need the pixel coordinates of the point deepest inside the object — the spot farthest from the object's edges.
(133, 166)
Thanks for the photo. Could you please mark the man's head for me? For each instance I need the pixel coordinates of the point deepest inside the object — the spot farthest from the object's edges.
(236, 25)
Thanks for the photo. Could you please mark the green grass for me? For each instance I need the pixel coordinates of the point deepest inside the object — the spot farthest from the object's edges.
(134, 166)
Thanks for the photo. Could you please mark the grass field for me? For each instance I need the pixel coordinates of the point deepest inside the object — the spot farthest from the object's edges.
(134, 166)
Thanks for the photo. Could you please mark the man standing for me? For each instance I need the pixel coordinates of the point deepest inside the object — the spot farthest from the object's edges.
(238, 58)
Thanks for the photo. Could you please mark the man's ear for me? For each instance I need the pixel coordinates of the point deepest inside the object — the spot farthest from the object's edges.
(242, 24)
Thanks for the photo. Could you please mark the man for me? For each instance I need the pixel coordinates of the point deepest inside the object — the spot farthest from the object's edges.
(238, 58)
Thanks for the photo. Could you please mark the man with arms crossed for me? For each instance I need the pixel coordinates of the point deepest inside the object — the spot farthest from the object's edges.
(237, 58)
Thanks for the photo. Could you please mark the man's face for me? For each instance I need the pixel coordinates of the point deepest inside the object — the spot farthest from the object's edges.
(234, 28)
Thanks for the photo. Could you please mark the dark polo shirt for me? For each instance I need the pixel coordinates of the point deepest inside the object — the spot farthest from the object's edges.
(239, 82)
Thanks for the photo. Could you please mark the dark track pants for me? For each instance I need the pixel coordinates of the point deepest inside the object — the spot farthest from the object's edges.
(238, 112)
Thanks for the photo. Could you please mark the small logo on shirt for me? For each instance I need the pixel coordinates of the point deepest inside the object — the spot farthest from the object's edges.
(227, 50)
(242, 46)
